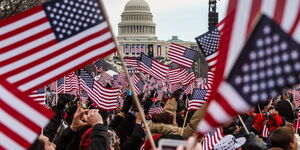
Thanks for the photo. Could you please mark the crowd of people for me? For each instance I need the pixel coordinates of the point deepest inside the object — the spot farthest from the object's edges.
(271, 125)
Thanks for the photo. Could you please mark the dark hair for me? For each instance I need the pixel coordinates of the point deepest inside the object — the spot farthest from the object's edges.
(163, 117)
(176, 94)
(282, 137)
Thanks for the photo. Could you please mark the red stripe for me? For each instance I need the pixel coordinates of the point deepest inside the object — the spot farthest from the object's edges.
(23, 28)
(61, 63)
(26, 40)
(14, 136)
(19, 117)
(72, 69)
(20, 16)
(255, 8)
(296, 22)
(27, 53)
(50, 56)
(25, 99)
(279, 10)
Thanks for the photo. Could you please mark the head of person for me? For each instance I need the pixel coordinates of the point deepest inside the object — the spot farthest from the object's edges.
(229, 142)
(283, 137)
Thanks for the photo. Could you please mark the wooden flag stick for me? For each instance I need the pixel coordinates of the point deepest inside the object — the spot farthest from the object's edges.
(148, 132)
(296, 112)
(243, 123)
(185, 118)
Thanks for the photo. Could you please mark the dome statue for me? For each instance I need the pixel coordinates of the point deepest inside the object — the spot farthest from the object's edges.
(136, 21)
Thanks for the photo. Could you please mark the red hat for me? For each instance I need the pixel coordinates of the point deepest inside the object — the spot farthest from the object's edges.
(147, 145)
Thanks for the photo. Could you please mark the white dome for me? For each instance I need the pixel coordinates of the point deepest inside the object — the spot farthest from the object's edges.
(137, 5)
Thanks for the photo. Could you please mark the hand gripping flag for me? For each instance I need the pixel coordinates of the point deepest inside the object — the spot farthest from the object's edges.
(45, 42)
(267, 66)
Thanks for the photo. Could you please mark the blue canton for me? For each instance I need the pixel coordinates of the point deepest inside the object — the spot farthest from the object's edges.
(199, 94)
(70, 17)
(190, 54)
(209, 42)
(146, 60)
(87, 78)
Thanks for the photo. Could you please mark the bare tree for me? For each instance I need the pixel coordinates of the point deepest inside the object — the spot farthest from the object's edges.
(11, 7)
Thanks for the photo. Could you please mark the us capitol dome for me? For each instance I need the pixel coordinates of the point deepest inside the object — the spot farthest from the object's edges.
(137, 34)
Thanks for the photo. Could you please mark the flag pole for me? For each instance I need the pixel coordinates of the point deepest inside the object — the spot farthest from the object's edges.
(148, 132)
(64, 84)
(243, 123)
(297, 112)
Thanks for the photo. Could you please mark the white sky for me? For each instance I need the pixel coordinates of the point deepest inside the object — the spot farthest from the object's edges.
(184, 18)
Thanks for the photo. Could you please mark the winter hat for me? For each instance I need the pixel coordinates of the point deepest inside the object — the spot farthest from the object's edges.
(229, 142)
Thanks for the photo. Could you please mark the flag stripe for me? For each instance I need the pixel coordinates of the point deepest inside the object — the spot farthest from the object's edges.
(280, 5)
(13, 135)
(9, 143)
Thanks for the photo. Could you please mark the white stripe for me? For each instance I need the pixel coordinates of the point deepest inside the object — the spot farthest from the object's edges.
(51, 49)
(212, 63)
(22, 107)
(233, 98)
(67, 66)
(204, 127)
(16, 126)
(24, 35)
(27, 47)
(290, 14)
(238, 33)
(8, 143)
(212, 56)
(58, 58)
(218, 113)
(22, 22)
(268, 7)
(296, 34)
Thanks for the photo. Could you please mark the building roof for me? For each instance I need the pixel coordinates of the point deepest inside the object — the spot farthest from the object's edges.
(137, 5)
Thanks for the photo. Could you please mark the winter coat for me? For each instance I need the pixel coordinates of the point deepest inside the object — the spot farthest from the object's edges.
(274, 122)
(97, 139)
(136, 139)
(189, 130)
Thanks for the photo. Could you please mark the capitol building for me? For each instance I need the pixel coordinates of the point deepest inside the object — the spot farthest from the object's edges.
(137, 33)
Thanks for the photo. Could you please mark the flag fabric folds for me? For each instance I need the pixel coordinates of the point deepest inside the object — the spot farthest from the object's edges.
(60, 85)
(71, 82)
(21, 119)
(198, 99)
(44, 43)
(267, 65)
(132, 62)
(212, 138)
(153, 67)
(104, 98)
(39, 96)
(181, 55)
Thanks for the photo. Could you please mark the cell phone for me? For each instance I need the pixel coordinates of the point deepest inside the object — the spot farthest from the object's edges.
(170, 144)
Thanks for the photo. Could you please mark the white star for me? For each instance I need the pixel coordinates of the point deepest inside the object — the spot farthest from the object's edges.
(268, 40)
(267, 30)
(246, 78)
(269, 61)
(246, 89)
(54, 10)
(254, 98)
(263, 96)
(297, 66)
(271, 83)
(283, 46)
(273, 93)
(262, 74)
(259, 43)
(275, 48)
(295, 55)
(254, 77)
(238, 80)
(61, 36)
(254, 87)
(253, 66)
(276, 59)
(253, 55)
(280, 81)
(287, 68)
(57, 4)
(291, 79)
(261, 53)
(262, 85)
(245, 68)
(278, 70)
(261, 64)
(48, 8)
(269, 72)
(285, 57)
(275, 37)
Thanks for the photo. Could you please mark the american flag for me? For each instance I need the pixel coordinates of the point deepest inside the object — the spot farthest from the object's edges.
(212, 138)
(135, 80)
(104, 98)
(296, 96)
(188, 89)
(86, 77)
(72, 83)
(60, 87)
(198, 99)
(39, 96)
(98, 65)
(181, 55)
(132, 62)
(184, 76)
(155, 109)
(105, 77)
(174, 87)
(126, 49)
(45, 42)
(265, 132)
(21, 119)
(268, 64)
(84, 96)
(209, 43)
(153, 67)
(122, 78)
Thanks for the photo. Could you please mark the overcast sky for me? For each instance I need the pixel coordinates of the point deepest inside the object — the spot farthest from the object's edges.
(184, 18)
